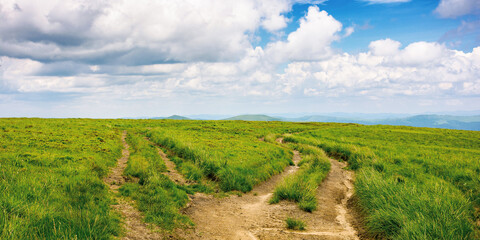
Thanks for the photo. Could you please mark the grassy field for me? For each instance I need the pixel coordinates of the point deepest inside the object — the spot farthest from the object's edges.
(302, 186)
(411, 183)
(51, 179)
(226, 152)
(156, 195)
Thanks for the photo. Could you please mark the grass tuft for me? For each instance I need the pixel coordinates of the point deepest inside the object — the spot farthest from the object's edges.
(302, 186)
(295, 224)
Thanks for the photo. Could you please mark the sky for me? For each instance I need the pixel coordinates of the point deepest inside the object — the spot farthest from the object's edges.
(119, 58)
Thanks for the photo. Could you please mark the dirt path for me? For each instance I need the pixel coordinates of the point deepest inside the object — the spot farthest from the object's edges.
(172, 172)
(331, 220)
(135, 228)
(251, 217)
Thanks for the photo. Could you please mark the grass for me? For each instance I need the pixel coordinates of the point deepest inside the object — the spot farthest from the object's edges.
(411, 183)
(157, 196)
(51, 179)
(228, 153)
(295, 224)
(302, 186)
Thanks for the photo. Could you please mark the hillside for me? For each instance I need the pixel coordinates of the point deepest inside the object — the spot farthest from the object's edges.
(104, 179)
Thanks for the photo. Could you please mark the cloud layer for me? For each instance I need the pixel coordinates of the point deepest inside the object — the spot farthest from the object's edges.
(89, 52)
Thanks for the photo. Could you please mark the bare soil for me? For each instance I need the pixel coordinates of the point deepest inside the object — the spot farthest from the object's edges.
(172, 172)
(250, 216)
(135, 228)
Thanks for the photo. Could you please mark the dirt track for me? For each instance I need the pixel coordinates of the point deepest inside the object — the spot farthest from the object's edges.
(251, 217)
(134, 226)
(172, 172)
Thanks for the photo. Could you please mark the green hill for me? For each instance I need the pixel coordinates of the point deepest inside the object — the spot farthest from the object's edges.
(174, 117)
(432, 121)
(253, 117)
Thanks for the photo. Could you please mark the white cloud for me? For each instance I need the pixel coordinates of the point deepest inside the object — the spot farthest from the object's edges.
(421, 52)
(141, 32)
(170, 50)
(349, 31)
(388, 76)
(311, 41)
(274, 23)
(385, 47)
(457, 8)
(272, 19)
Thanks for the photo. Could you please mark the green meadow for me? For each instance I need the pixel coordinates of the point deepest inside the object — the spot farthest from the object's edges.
(411, 183)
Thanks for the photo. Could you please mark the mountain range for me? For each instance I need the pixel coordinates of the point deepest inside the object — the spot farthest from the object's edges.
(430, 120)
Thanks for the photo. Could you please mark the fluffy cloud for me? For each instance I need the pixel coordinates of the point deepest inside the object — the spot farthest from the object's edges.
(385, 47)
(456, 8)
(448, 72)
(311, 41)
(122, 51)
(374, 74)
(125, 32)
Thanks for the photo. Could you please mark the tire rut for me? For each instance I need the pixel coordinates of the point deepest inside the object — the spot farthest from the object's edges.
(135, 227)
(234, 217)
(172, 172)
(251, 216)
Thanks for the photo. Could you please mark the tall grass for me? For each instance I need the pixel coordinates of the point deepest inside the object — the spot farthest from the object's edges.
(157, 196)
(236, 163)
(51, 179)
(302, 186)
(432, 209)
(412, 183)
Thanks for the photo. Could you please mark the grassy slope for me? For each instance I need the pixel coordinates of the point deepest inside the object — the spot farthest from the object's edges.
(411, 182)
(51, 179)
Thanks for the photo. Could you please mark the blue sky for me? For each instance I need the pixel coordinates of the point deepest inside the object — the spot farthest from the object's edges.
(405, 22)
(129, 59)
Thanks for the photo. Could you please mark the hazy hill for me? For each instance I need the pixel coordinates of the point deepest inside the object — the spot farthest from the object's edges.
(175, 117)
(432, 121)
(436, 121)
(252, 117)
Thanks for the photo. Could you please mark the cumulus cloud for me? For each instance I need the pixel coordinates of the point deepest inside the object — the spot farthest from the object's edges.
(311, 41)
(457, 8)
(124, 32)
(172, 49)
(385, 47)
(421, 53)
(367, 74)
(379, 76)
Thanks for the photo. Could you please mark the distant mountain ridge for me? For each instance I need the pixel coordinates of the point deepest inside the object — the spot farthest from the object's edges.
(252, 117)
(426, 120)
(174, 117)
(432, 121)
